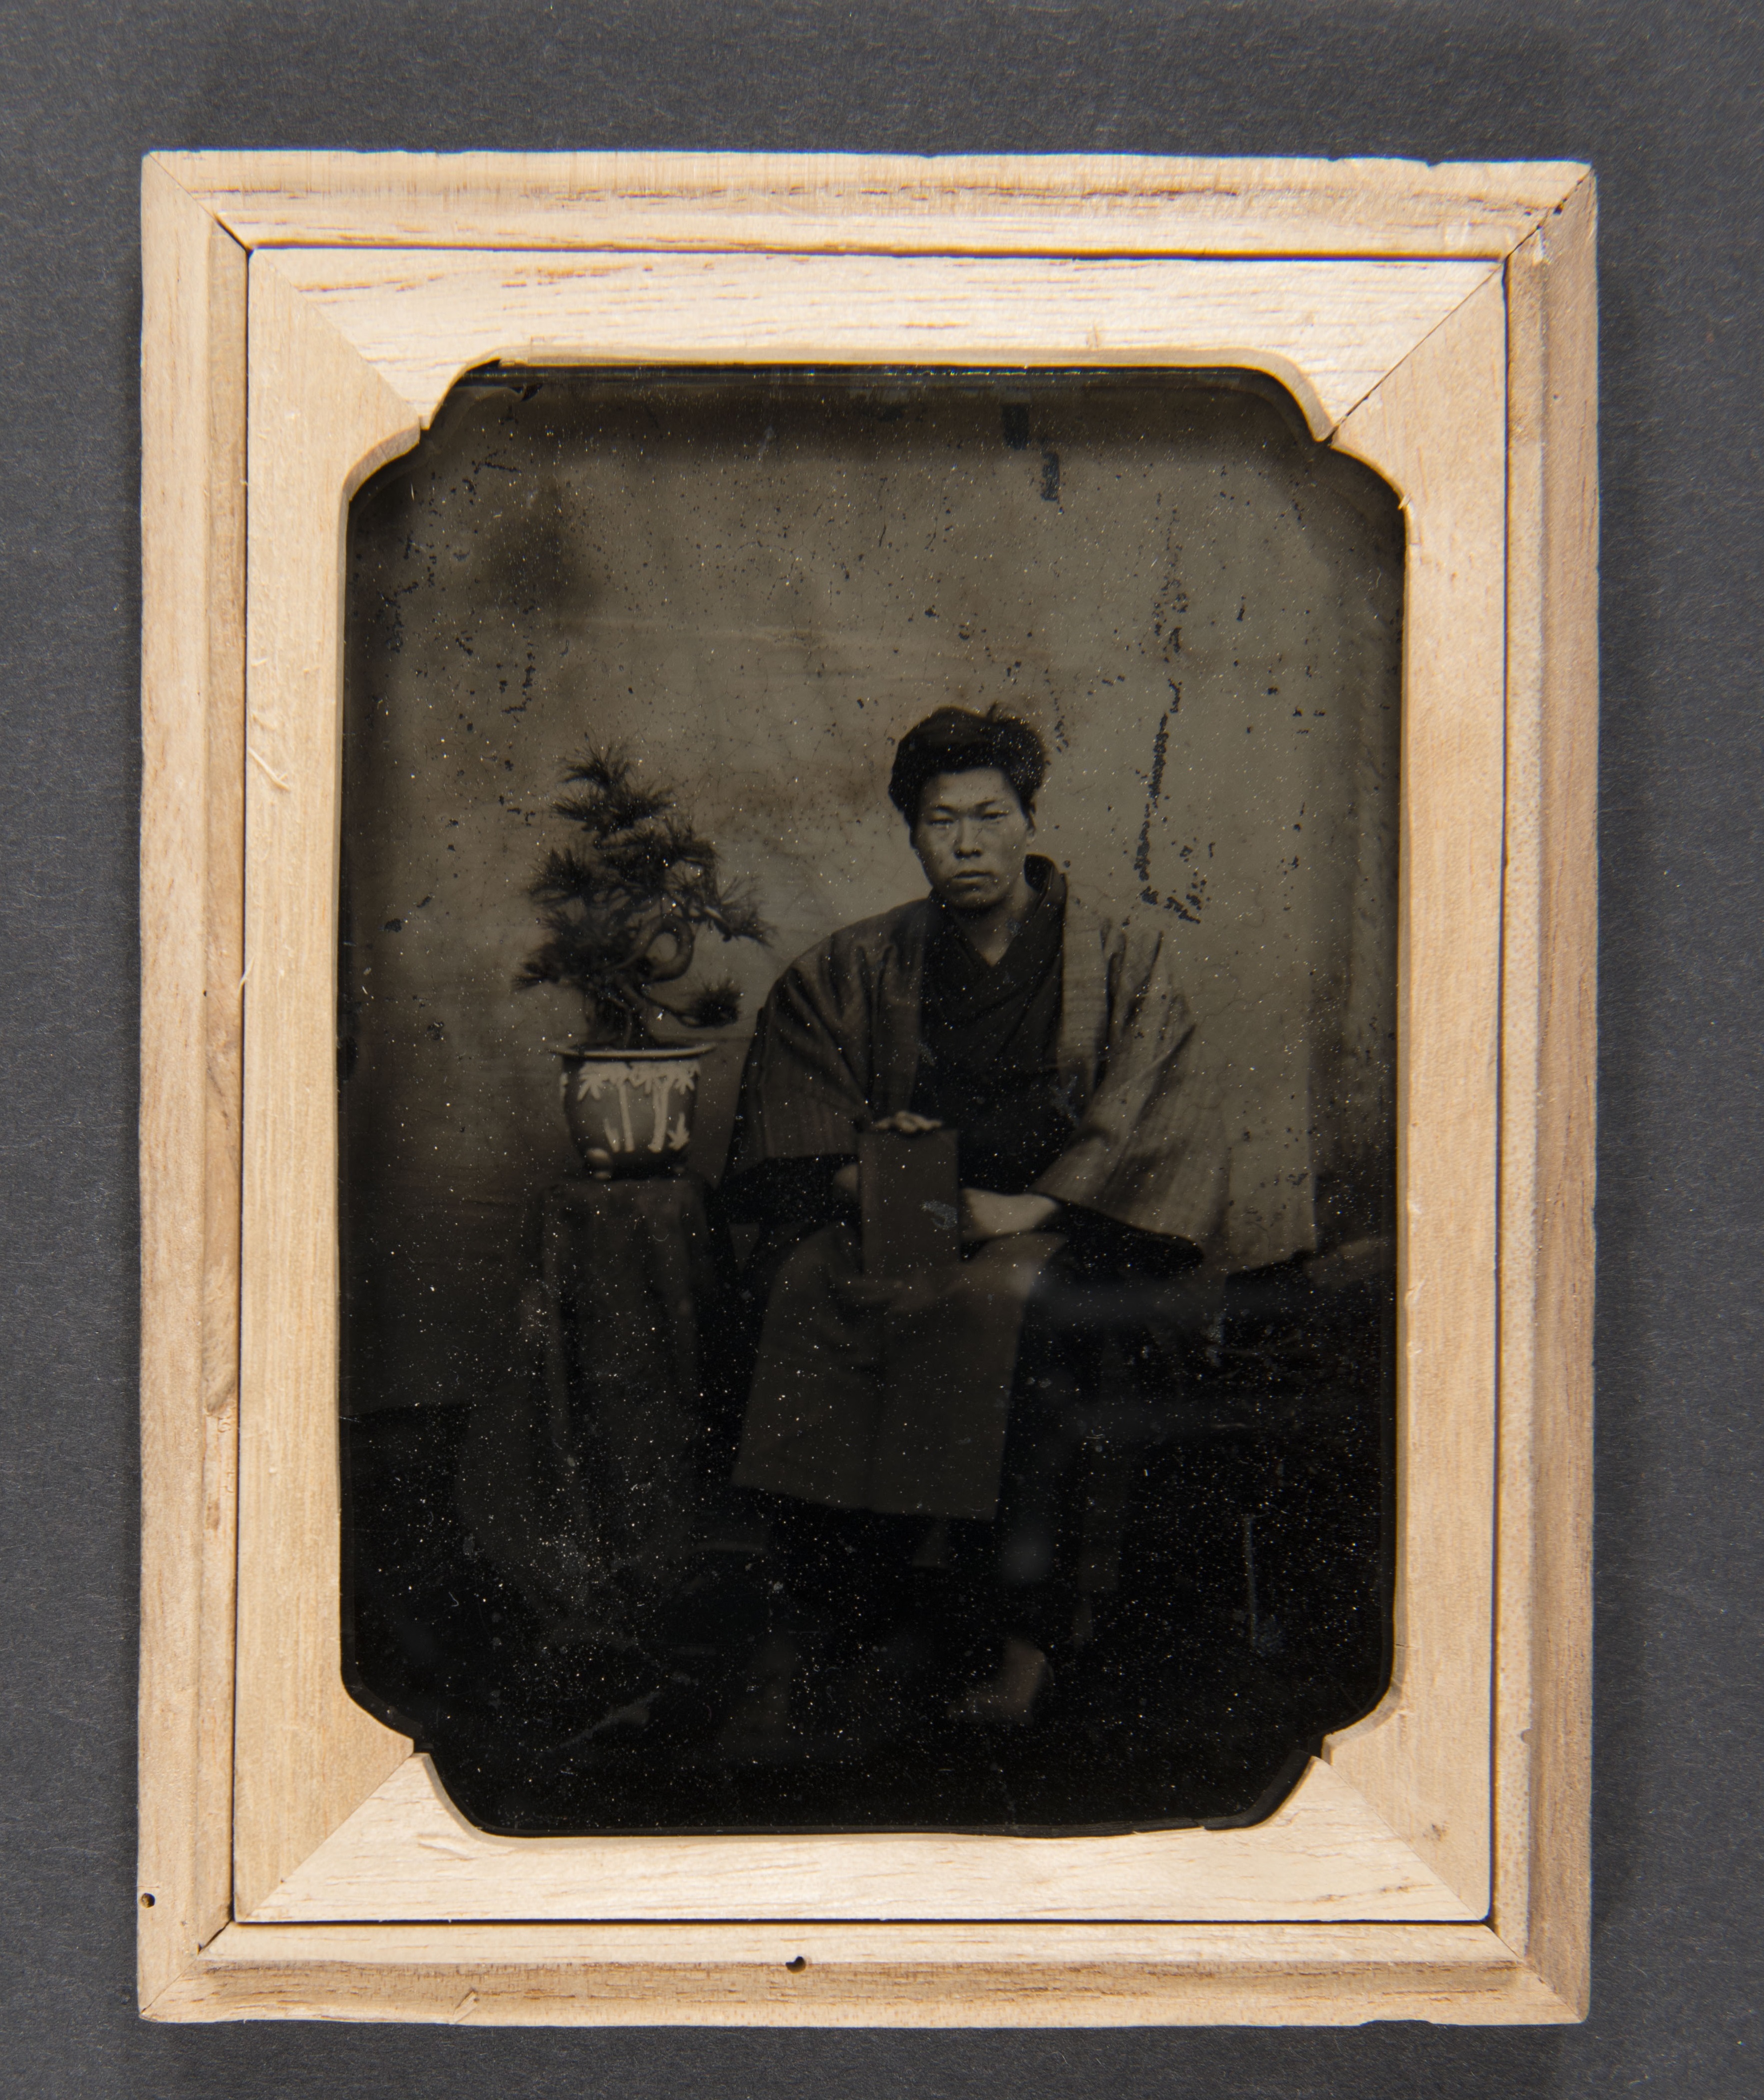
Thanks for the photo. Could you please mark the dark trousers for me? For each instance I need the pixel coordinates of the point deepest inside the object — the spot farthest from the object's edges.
(1106, 1349)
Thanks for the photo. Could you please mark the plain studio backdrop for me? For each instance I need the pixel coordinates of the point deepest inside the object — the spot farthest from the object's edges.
(755, 587)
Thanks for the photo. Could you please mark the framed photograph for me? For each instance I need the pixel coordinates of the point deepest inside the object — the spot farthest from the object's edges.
(868, 934)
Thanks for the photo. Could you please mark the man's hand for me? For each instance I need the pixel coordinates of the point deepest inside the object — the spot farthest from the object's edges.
(987, 1215)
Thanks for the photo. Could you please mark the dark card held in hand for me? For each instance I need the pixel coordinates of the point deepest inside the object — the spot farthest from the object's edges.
(911, 1195)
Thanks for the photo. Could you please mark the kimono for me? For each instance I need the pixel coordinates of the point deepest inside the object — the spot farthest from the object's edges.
(1070, 1068)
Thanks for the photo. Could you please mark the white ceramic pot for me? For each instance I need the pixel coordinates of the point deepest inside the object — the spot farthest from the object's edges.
(634, 1105)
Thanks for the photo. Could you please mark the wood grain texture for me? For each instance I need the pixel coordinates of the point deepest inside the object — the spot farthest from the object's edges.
(1329, 331)
(1011, 205)
(855, 1975)
(320, 421)
(322, 417)
(1436, 430)
(192, 708)
(407, 1854)
(1543, 1670)
(326, 413)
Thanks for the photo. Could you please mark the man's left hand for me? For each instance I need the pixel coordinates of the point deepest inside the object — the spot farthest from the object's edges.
(988, 1215)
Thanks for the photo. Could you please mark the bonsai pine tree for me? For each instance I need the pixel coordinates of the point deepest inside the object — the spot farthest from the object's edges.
(625, 904)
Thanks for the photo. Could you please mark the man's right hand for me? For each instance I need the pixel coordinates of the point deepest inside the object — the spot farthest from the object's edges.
(988, 1215)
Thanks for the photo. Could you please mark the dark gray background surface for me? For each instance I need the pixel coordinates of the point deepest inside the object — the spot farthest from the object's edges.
(1664, 101)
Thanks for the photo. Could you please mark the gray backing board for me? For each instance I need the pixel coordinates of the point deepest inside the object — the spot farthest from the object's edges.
(1664, 102)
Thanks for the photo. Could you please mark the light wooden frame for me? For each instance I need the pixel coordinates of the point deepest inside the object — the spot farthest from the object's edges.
(304, 315)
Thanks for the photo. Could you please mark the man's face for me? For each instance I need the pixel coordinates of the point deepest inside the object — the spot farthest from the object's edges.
(971, 837)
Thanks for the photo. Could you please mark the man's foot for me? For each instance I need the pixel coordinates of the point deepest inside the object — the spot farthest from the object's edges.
(1006, 1697)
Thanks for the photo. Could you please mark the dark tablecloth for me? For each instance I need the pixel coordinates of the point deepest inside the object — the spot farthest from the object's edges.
(586, 1468)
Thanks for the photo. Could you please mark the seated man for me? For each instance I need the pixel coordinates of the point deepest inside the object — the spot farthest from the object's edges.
(1054, 1041)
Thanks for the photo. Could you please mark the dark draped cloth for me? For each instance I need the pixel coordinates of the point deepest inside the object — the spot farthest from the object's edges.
(584, 1466)
(1069, 1068)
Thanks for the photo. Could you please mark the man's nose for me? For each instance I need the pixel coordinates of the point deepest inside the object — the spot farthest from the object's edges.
(967, 841)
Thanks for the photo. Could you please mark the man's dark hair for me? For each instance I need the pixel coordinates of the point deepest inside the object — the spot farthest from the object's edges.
(957, 740)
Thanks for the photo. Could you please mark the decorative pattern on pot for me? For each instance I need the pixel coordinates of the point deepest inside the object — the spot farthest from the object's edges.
(634, 1105)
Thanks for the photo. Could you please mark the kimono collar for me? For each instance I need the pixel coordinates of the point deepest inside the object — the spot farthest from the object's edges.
(967, 982)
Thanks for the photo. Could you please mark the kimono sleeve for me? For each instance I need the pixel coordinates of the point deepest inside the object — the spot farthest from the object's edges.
(1148, 1148)
(805, 1086)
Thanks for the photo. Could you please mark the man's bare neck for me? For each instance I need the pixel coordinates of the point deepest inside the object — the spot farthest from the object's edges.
(990, 931)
